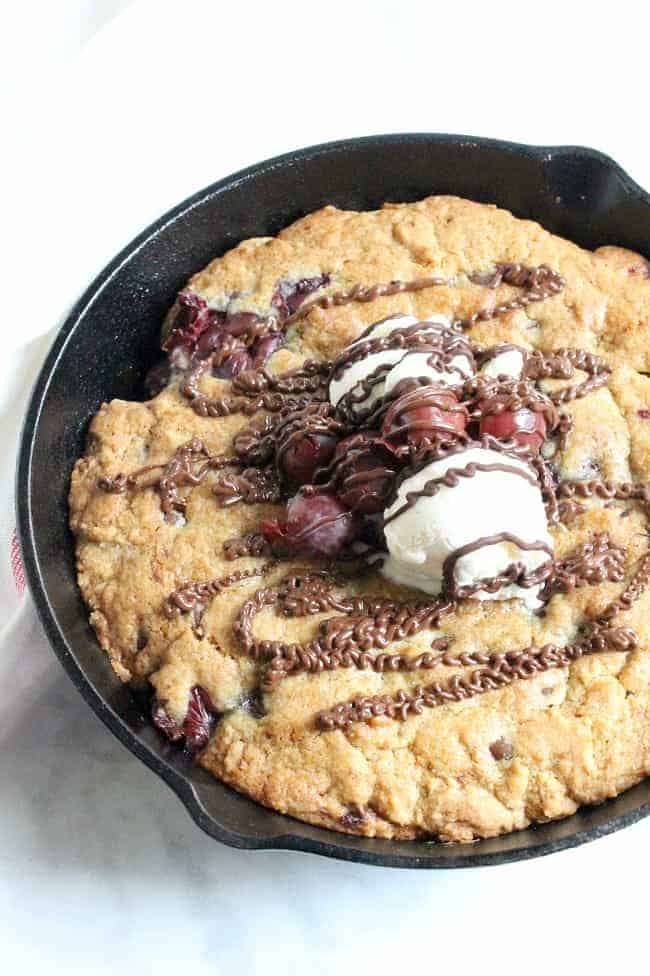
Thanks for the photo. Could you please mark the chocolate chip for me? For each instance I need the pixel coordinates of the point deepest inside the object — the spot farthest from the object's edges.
(199, 722)
(253, 703)
(442, 643)
(502, 749)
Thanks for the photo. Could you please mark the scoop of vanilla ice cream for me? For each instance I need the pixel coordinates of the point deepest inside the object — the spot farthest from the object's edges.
(414, 365)
(383, 328)
(510, 362)
(358, 371)
(488, 503)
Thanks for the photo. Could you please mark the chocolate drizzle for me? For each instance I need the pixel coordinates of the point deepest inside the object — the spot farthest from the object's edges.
(561, 365)
(189, 596)
(188, 466)
(368, 624)
(597, 488)
(364, 294)
(591, 563)
(491, 397)
(295, 406)
(514, 574)
(308, 378)
(538, 283)
(502, 670)
(254, 486)
(563, 431)
(252, 544)
(225, 406)
(630, 594)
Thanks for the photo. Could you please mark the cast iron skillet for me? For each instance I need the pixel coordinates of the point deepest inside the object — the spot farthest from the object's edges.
(110, 339)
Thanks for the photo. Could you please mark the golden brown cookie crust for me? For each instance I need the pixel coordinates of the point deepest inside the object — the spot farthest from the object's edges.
(533, 751)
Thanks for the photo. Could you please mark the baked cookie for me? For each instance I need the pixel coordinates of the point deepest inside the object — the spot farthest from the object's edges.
(377, 544)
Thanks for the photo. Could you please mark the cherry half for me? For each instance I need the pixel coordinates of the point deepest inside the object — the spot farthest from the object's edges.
(422, 414)
(524, 426)
(304, 453)
(363, 471)
(316, 525)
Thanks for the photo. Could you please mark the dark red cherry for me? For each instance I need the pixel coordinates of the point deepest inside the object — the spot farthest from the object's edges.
(264, 348)
(197, 725)
(200, 719)
(423, 413)
(190, 319)
(214, 336)
(526, 427)
(364, 471)
(289, 295)
(316, 525)
(162, 721)
(239, 323)
(303, 455)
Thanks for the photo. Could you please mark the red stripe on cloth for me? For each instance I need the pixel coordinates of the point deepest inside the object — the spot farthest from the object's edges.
(17, 567)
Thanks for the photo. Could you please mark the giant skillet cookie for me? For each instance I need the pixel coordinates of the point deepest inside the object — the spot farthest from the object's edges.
(377, 545)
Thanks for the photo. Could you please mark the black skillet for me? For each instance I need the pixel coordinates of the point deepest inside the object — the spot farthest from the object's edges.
(110, 339)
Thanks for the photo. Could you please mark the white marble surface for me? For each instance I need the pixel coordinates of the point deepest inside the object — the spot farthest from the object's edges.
(101, 869)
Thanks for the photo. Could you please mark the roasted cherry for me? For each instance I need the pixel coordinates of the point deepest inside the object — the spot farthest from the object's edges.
(424, 413)
(289, 295)
(363, 473)
(197, 726)
(200, 719)
(316, 525)
(303, 453)
(526, 427)
(190, 319)
(264, 348)
(199, 331)
(213, 337)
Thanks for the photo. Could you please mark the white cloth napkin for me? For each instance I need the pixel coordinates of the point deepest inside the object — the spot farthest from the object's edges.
(19, 370)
